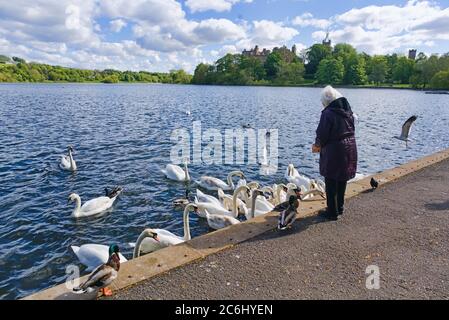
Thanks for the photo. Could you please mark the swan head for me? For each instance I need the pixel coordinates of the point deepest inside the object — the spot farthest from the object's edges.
(72, 197)
(70, 149)
(150, 233)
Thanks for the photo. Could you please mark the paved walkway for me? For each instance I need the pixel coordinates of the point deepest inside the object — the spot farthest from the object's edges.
(403, 228)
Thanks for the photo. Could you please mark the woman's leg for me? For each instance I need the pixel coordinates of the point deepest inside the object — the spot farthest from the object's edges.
(341, 190)
(331, 196)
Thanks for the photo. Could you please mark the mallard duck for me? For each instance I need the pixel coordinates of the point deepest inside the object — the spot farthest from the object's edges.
(288, 216)
(67, 162)
(103, 275)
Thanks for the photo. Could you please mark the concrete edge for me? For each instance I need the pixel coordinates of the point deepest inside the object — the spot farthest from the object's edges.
(164, 260)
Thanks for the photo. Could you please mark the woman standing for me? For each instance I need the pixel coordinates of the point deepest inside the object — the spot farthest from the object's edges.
(335, 141)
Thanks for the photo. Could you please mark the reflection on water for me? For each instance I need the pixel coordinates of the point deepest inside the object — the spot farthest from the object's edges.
(121, 135)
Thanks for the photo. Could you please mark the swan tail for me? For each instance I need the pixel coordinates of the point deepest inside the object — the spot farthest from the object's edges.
(114, 192)
(75, 249)
(132, 244)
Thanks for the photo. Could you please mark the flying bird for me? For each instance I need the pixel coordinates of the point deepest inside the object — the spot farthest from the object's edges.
(406, 129)
(374, 184)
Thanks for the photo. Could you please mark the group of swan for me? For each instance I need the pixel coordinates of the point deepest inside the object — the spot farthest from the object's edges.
(176, 173)
(220, 212)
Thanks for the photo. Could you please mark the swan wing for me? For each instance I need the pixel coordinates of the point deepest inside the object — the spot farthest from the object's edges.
(213, 209)
(219, 222)
(212, 183)
(92, 255)
(202, 197)
(65, 162)
(174, 172)
(97, 205)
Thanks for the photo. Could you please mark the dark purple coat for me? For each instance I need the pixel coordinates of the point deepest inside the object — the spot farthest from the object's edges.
(336, 137)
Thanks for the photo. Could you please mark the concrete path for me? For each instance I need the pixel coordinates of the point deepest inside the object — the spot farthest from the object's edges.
(403, 228)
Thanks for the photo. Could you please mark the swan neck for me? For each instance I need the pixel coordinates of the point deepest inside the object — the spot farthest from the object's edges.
(142, 236)
(187, 235)
(230, 182)
(234, 199)
(72, 162)
(186, 170)
(77, 206)
(253, 204)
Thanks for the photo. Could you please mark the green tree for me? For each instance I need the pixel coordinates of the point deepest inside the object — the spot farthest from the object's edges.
(403, 70)
(379, 70)
(355, 72)
(201, 74)
(440, 80)
(290, 73)
(315, 54)
(272, 64)
(330, 71)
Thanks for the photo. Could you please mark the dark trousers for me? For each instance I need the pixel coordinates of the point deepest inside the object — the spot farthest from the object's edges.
(335, 196)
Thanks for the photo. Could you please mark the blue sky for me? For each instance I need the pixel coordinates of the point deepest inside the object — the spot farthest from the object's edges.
(160, 35)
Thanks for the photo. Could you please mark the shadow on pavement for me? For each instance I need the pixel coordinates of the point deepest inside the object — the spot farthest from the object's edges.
(437, 206)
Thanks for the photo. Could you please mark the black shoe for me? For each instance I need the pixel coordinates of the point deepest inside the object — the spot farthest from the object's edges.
(327, 215)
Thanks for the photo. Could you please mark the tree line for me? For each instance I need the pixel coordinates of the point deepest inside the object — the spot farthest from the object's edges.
(322, 64)
(18, 70)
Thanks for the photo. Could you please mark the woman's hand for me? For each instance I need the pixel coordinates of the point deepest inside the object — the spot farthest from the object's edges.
(316, 149)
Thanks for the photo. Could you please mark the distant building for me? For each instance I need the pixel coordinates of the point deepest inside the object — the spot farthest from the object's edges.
(263, 54)
(327, 41)
(412, 54)
(256, 53)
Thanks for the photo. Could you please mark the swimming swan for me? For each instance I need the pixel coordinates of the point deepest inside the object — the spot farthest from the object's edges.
(176, 173)
(151, 240)
(213, 184)
(67, 161)
(92, 255)
(94, 206)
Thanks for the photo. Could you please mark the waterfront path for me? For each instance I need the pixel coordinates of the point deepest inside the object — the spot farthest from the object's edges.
(403, 228)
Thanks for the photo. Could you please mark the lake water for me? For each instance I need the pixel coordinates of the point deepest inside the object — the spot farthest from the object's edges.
(121, 135)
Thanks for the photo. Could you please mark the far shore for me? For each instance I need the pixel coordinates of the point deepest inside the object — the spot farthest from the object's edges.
(308, 85)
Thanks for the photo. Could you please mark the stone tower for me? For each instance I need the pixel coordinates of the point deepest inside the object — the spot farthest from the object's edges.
(412, 54)
(294, 49)
(327, 41)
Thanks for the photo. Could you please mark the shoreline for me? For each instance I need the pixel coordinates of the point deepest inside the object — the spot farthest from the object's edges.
(392, 87)
(162, 261)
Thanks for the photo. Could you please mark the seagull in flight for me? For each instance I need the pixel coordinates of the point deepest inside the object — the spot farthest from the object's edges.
(406, 129)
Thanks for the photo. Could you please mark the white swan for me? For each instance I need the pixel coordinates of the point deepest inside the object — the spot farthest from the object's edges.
(218, 209)
(202, 197)
(93, 255)
(213, 184)
(292, 175)
(176, 173)
(94, 206)
(227, 201)
(67, 161)
(154, 239)
(254, 211)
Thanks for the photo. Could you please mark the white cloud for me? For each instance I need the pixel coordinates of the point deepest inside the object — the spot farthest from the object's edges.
(215, 5)
(386, 29)
(307, 20)
(117, 25)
